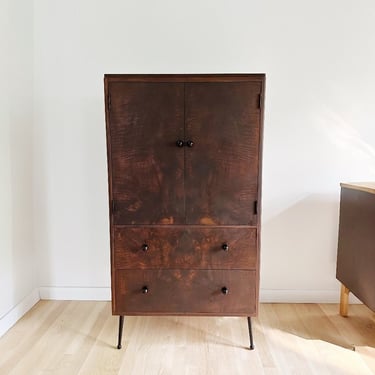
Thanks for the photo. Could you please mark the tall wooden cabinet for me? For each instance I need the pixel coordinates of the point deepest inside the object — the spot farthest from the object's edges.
(184, 167)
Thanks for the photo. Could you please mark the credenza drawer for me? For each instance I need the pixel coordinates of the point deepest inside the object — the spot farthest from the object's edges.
(216, 292)
(199, 248)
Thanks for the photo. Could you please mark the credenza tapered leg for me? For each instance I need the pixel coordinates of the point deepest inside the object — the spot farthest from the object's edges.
(250, 333)
(120, 328)
(344, 299)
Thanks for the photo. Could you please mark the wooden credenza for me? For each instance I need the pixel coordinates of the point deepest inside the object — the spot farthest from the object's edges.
(356, 245)
(184, 168)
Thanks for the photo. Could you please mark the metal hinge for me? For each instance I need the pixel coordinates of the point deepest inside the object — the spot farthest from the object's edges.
(109, 102)
(260, 101)
(255, 208)
(113, 206)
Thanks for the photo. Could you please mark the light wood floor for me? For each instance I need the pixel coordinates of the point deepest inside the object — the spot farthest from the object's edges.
(70, 337)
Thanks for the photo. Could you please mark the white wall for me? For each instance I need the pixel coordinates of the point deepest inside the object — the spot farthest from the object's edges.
(17, 258)
(319, 122)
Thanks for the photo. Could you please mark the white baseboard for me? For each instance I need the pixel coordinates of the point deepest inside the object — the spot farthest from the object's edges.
(266, 295)
(18, 311)
(75, 293)
(104, 294)
(302, 296)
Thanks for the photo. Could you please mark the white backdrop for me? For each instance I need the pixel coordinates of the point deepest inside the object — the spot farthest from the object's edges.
(319, 58)
(18, 288)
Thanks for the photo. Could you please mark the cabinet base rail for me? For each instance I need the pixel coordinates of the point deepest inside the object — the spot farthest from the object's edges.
(121, 328)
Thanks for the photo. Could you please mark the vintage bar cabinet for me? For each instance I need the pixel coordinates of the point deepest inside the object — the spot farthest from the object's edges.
(184, 173)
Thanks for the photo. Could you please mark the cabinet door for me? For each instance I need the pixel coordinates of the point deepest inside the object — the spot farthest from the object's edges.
(146, 167)
(221, 179)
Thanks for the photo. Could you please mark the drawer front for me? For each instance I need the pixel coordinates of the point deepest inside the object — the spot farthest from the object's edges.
(185, 292)
(185, 248)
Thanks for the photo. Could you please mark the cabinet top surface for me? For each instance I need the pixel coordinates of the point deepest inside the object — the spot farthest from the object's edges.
(369, 187)
(185, 77)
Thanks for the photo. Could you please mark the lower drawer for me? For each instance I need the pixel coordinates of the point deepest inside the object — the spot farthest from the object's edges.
(170, 292)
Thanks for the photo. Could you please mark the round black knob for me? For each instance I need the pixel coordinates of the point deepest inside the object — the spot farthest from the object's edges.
(225, 247)
(224, 290)
(144, 289)
(190, 143)
(180, 143)
(145, 247)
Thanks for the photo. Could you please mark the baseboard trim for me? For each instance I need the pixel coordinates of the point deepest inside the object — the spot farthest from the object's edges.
(104, 294)
(17, 312)
(266, 295)
(303, 296)
(75, 293)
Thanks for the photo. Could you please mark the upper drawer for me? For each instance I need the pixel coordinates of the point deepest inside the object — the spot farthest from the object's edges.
(197, 248)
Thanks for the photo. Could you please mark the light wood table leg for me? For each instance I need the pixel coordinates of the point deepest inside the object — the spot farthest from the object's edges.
(344, 299)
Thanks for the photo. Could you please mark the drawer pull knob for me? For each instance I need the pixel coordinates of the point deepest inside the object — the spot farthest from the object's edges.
(190, 143)
(224, 290)
(180, 143)
(225, 247)
(144, 289)
(145, 247)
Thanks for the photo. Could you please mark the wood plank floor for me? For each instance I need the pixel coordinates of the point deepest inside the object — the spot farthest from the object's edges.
(79, 338)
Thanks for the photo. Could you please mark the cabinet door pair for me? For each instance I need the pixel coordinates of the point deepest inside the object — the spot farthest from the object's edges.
(184, 153)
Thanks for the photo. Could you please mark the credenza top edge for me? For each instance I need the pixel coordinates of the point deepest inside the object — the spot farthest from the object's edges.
(368, 187)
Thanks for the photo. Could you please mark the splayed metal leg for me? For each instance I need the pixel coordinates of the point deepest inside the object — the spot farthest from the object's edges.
(120, 328)
(250, 333)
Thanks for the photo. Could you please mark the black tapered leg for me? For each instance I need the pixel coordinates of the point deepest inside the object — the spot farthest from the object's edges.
(120, 327)
(250, 333)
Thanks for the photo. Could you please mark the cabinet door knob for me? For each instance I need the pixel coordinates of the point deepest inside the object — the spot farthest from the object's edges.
(145, 247)
(190, 143)
(225, 246)
(224, 290)
(180, 143)
(144, 289)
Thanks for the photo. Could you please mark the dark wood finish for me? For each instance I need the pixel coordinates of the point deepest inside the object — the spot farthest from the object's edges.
(184, 174)
(185, 248)
(356, 245)
(184, 78)
(221, 169)
(145, 121)
(186, 292)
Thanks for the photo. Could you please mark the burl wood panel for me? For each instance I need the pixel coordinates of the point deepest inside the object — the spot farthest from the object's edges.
(185, 292)
(185, 248)
(145, 121)
(222, 167)
(356, 246)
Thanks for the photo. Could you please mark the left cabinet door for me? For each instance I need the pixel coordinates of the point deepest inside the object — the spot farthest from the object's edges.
(146, 166)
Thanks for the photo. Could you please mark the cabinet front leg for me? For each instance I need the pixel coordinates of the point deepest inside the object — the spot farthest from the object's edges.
(250, 333)
(344, 299)
(120, 328)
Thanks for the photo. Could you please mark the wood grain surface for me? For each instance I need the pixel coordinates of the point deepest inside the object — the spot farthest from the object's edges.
(79, 338)
(146, 120)
(195, 292)
(185, 248)
(221, 169)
